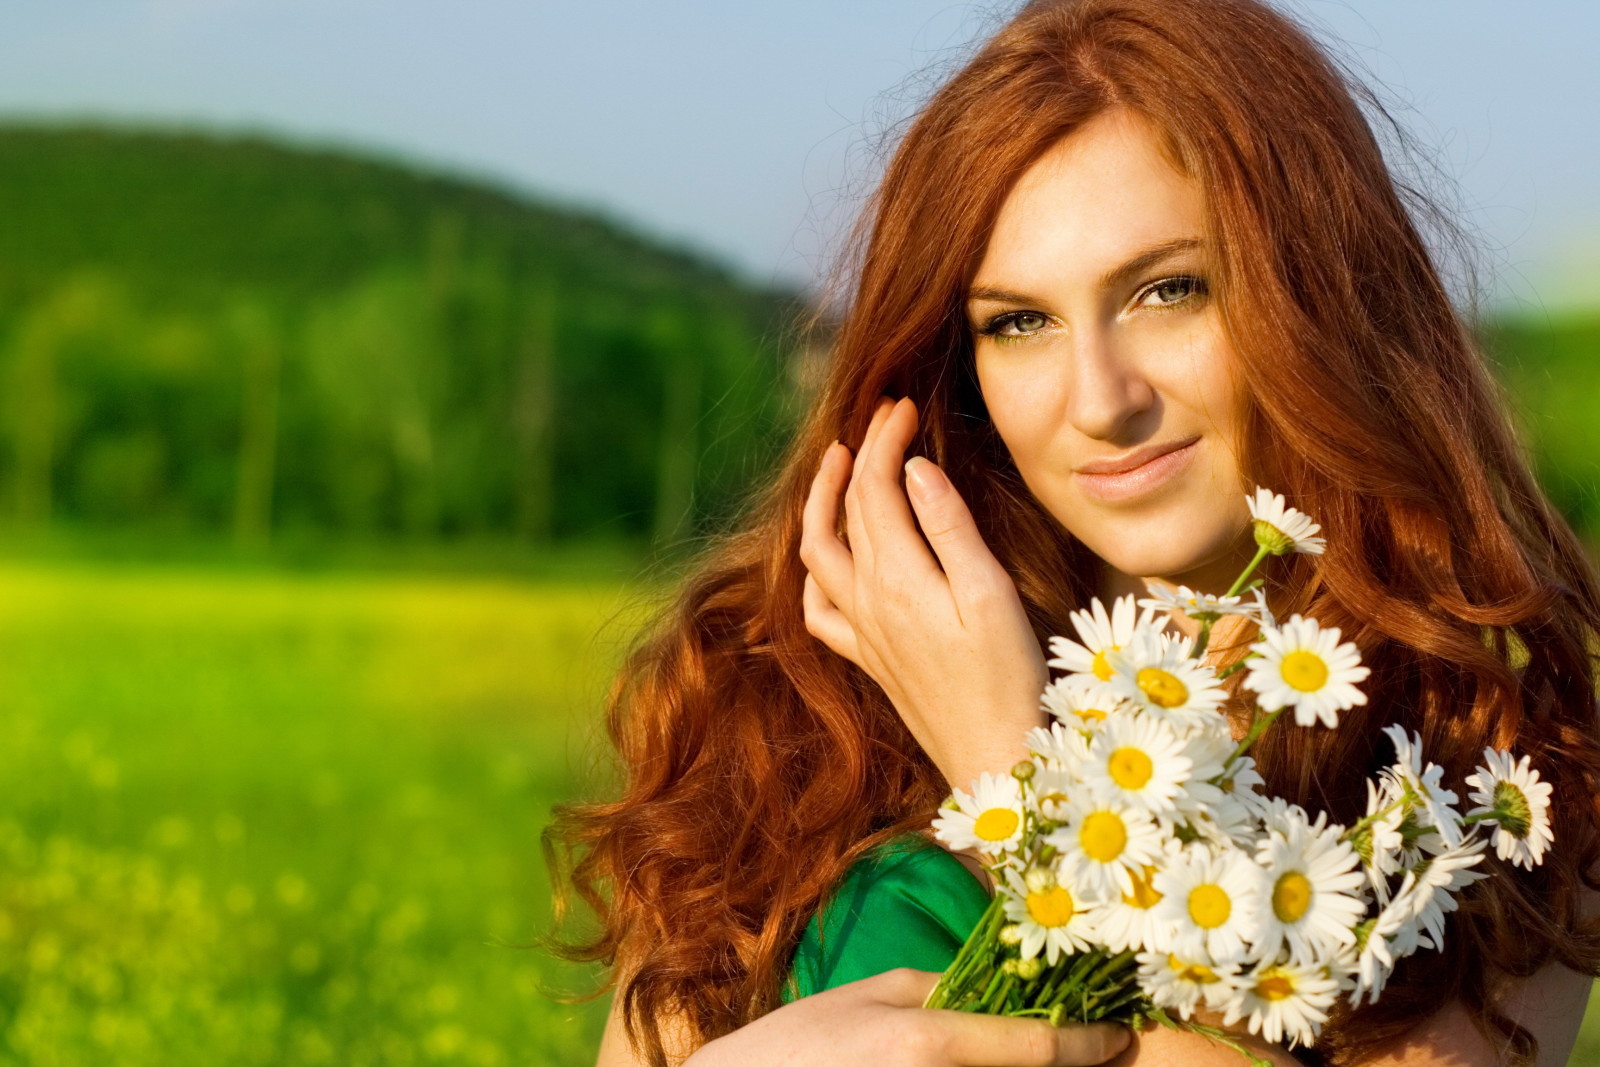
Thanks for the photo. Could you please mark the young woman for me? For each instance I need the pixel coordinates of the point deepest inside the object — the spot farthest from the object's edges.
(1146, 234)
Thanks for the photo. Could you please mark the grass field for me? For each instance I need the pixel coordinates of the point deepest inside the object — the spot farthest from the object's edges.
(268, 819)
(264, 818)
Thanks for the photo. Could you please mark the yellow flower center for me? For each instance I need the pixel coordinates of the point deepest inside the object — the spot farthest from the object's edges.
(1274, 986)
(1102, 666)
(1053, 907)
(1209, 906)
(1305, 671)
(1130, 768)
(1198, 973)
(1103, 836)
(996, 824)
(1291, 896)
(1162, 688)
(1144, 894)
(1092, 714)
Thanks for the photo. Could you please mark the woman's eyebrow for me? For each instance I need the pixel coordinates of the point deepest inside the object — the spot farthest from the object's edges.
(1116, 276)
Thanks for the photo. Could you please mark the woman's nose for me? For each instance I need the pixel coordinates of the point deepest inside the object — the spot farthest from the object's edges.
(1105, 387)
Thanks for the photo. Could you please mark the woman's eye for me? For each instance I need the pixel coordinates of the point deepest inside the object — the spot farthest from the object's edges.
(1016, 324)
(1171, 291)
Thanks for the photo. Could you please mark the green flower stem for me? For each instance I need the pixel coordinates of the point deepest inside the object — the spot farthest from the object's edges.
(1222, 1037)
(1257, 728)
(1367, 820)
(1261, 554)
(975, 959)
(1237, 667)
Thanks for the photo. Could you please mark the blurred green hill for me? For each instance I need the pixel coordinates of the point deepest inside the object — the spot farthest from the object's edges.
(1551, 365)
(202, 335)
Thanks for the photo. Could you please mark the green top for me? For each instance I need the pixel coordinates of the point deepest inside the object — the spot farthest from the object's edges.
(908, 903)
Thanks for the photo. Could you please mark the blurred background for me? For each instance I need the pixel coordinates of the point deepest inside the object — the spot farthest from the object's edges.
(367, 367)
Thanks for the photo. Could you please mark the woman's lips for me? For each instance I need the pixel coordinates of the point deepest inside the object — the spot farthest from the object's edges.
(1140, 480)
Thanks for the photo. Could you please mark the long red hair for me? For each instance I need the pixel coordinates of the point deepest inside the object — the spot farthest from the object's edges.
(758, 765)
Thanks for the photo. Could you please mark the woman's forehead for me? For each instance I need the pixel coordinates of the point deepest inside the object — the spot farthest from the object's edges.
(1095, 200)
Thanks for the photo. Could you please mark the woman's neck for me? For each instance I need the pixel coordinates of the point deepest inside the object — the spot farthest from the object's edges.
(1215, 580)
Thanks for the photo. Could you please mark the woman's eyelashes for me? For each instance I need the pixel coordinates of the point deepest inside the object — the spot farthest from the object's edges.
(1190, 287)
(1000, 327)
(1169, 293)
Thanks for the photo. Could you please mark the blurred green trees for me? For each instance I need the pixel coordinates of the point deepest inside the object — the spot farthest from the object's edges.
(226, 335)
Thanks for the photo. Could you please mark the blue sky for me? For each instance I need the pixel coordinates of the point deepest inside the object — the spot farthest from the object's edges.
(750, 129)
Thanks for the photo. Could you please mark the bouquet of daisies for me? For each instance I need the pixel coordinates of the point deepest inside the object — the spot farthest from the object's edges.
(1142, 875)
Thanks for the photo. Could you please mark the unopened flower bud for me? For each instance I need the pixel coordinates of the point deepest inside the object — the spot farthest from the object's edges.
(1011, 934)
(1030, 969)
(1023, 771)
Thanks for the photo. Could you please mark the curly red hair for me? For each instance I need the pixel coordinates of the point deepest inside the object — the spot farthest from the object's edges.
(758, 765)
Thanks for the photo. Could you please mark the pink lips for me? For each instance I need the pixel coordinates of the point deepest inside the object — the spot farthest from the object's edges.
(1126, 485)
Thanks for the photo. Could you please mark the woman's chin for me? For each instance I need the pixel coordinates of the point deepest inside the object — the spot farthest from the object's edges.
(1180, 558)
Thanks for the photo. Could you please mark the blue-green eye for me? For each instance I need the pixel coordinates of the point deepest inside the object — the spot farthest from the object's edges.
(1174, 291)
(1014, 325)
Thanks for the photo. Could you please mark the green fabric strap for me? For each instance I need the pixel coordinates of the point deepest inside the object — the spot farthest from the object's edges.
(908, 903)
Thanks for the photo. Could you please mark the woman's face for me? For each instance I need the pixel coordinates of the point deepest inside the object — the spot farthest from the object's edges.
(1097, 339)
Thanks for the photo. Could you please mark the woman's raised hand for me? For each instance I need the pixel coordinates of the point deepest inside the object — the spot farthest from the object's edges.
(879, 1022)
(943, 632)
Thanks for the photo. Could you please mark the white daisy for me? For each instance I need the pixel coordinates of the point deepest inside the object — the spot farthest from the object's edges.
(1182, 600)
(1259, 609)
(1244, 783)
(989, 819)
(1183, 983)
(1223, 823)
(1129, 921)
(1053, 789)
(1284, 1002)
(1381, 943)
(1305, 666)
(1511, 791)
(1430, 888)
(1382, 843)
(1059, 745)
(1435, 805)
(1077, 704)
(1140, 760)
(1212, 896)
(1281, 529)
(1051, 919)
(1314, 884)
(1213, 811)
(1102, 845)
(1159, 678)
(1099, 634)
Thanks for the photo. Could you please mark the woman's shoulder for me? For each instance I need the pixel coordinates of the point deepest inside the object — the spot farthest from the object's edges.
(907, 903)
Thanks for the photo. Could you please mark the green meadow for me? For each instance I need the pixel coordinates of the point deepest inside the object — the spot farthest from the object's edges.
(268, 818)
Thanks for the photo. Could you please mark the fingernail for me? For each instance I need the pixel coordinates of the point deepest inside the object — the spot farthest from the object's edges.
(925, 479)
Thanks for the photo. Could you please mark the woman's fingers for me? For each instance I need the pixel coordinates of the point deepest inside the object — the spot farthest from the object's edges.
(976, 577)
(828, 624)
(855, 522)
(996, 1041)
(826, 558)
(886, 516)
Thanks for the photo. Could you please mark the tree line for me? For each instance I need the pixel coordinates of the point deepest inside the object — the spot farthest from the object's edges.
(235, 336)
